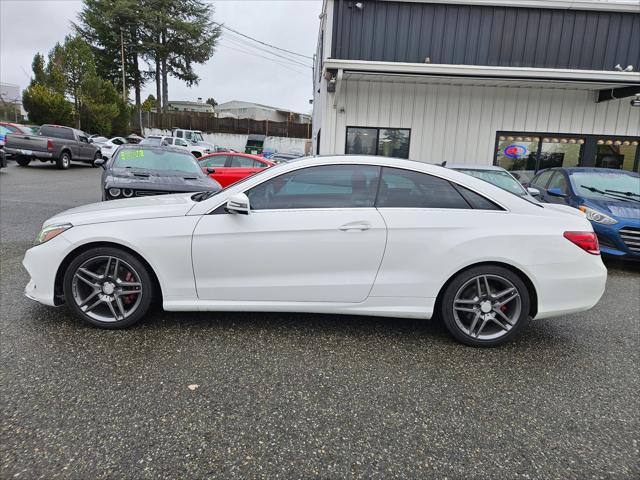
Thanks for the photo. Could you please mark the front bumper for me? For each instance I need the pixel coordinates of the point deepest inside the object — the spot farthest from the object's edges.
(621, 240)
(42, 263)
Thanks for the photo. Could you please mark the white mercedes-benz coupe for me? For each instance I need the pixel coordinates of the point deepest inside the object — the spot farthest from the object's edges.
(337, 234)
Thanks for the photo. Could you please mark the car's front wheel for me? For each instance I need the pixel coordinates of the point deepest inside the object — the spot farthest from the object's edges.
(485, 306)
(108, 287)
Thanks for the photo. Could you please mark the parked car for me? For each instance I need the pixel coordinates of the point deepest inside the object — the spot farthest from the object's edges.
(610, 198)
(7, 127)
(195, 138)
(497, 176)
(53, 143)
(109, 147)
(98, 139)
(196, 150)
(351, 235)
(145, 170)
(278, 158)
(228, 167)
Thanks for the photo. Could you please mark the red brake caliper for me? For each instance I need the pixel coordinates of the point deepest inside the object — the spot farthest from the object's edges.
(129, 299)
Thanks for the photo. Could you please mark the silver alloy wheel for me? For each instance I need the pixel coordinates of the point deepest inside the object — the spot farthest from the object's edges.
(65, 160)
(487, 307)
(107, 289)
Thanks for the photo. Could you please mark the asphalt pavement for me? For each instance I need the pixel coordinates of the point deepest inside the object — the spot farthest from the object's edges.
(298, 395)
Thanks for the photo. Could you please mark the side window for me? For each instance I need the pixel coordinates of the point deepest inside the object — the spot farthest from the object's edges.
(542, 179)
(117, 141)
(83, 139)
(476, 201)
(408, 189)
(181, 142)
(215, 161)
(259, 164)
(242, 162)
(328, 186)
(179, 134)
(558, 181)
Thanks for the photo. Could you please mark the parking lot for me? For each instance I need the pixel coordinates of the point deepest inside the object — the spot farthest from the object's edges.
(302, 396)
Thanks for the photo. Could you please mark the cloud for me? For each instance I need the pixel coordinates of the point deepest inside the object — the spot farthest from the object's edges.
(239, 70)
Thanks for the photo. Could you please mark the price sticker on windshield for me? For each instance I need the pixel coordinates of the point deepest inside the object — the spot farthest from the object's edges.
(131, 154)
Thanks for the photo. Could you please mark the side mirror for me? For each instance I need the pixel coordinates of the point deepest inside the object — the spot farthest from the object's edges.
(533, 191)
(556, 192)
(100, 162)
(211, 170)
(238, 203)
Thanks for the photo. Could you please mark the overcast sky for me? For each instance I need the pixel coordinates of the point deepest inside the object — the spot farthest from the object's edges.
(236, 71)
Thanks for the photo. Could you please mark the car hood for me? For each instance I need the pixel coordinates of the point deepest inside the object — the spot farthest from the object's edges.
(158, 206)
(617, 208)
(160, 180)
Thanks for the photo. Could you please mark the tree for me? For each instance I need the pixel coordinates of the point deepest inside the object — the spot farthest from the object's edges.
(78, 66)
(212, 101)
(101, 23)
(149, 103)
(46, 105)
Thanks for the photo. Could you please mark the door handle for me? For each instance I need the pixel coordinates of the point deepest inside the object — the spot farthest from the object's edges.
(355, 226)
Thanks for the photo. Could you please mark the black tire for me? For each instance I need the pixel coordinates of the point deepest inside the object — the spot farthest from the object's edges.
(97, 156)
(465, 284)
(63, 161)
(129, 265)
(23, 161)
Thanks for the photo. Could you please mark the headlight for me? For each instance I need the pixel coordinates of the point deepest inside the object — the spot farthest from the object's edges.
(51, 231)
(596, 216)
(114, 192)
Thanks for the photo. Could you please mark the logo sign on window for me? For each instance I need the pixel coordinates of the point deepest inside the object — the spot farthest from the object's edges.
(516, 151)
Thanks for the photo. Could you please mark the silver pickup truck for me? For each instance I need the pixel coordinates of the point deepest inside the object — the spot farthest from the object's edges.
(53, 143)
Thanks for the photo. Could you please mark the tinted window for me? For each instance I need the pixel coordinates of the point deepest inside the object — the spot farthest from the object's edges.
(363, 141)
(542, 179)
(408, 189)
(83, 139)
(242, 162)
(215, 161)
(57, 132)
(475, 200)
(558, 181)
(117, 141)
(330, 186)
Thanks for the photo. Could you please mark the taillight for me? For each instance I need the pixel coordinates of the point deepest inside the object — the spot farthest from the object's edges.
(585, 240)
(49, 145)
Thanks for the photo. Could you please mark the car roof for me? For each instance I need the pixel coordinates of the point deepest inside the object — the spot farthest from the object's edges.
(472, 166)
(236, 154)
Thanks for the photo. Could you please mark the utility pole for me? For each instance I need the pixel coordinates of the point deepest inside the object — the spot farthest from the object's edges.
(124, 87)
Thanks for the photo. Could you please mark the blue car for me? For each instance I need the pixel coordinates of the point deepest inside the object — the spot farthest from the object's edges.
(610, 199)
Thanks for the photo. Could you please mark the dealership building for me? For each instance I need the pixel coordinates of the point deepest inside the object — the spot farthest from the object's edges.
(522, 84)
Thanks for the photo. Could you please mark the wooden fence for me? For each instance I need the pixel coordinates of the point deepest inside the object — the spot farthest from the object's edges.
(210, 123)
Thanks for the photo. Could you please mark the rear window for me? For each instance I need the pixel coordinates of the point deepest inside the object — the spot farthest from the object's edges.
(56, 132)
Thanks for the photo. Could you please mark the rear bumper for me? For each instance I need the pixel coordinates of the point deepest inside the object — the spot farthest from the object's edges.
(29, 153)
(569, 288)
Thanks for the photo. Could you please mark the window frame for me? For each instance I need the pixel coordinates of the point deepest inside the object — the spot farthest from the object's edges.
(377, 129)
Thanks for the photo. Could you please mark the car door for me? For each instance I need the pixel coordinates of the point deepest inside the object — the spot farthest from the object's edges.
(430, 224)
(241, 167)
(218, 163)
(560, 182)
(312, 235)
(85, 149)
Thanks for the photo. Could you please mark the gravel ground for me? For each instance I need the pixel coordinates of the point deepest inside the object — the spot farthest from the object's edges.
(302, 396)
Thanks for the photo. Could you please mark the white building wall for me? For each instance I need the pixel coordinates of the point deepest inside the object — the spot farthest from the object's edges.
(458, 123)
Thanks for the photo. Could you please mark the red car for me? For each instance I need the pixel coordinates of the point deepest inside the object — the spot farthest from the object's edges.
(230, 167)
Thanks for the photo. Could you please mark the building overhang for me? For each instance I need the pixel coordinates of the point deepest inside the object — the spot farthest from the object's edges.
(630, 6)
(608, 85)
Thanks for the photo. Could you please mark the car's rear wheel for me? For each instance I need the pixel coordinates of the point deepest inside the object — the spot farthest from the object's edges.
(97, 156)
(485, 306)
(23, 161)
(63, 161)
(108, 287)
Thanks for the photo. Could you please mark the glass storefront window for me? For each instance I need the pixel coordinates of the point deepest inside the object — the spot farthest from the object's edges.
(386, 142)
(524, 153)
(616, 153)
(560, 152)
(517, 154)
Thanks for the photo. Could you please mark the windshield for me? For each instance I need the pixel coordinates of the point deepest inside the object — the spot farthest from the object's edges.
(609, 185)
(161, 160)
(498, 178)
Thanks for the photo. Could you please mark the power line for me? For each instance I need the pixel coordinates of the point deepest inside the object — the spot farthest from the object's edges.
(284, 65)
(244, 43)
(263, 43)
